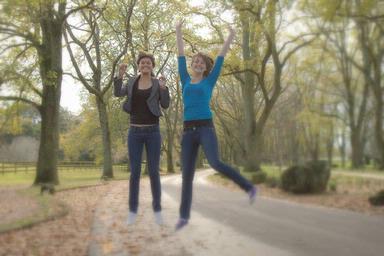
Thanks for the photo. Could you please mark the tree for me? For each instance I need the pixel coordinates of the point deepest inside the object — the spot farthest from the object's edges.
(371, 39)
(261, 68)
(38, 25)
(340, 43)
(98, 38)
(171, 117)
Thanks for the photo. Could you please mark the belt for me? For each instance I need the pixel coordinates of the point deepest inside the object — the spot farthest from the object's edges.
(151, 128)
(193, 125)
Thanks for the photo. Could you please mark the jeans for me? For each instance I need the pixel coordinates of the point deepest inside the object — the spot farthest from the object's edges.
(192, 138)
(137, 138)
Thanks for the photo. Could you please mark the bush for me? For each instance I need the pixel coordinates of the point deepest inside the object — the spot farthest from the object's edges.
(258, 177)
(321, 173)
(309, 178)
(272, 182)
(378, 199)
(332, 186)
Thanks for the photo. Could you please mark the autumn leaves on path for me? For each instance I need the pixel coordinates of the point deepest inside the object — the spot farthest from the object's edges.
(111, 236)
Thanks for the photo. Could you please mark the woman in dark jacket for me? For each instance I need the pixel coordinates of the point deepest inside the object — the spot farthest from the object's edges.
(145, 94)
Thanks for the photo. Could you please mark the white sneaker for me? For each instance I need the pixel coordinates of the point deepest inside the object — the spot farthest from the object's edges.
(158, 218)
(131, 218)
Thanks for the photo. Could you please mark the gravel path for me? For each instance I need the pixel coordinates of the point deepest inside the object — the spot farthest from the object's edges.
(111, 236)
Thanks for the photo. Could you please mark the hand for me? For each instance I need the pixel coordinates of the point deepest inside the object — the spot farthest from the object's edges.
(162, 82)
(122, 69)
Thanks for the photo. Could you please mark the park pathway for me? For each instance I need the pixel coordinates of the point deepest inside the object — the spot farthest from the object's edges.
(111, 236)
(223, 223)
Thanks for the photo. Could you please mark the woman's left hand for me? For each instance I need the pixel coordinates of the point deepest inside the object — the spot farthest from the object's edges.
(162, 82)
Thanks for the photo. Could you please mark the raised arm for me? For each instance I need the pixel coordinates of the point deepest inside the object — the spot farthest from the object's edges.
(119, 89)
(179, 38)
(227, 42)
(164, 92)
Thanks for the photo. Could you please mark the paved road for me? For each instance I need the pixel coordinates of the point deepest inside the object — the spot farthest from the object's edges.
(288, 227)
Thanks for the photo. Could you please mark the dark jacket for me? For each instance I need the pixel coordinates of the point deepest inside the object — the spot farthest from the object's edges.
(157, 95)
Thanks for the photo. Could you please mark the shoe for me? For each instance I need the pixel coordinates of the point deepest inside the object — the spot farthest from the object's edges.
(131, 218)
(158, 218)
(181, 223)
(252, 194)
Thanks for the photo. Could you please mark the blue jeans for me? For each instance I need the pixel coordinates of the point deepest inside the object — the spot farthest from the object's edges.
(192, 138)
(137, 138)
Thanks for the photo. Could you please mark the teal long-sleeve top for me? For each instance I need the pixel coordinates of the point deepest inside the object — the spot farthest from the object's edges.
(196, 97)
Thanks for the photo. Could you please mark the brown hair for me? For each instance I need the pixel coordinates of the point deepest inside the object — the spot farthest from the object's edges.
(208, 62)
(143, 55)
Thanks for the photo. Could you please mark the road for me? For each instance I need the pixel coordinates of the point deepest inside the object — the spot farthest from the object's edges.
(286, 227)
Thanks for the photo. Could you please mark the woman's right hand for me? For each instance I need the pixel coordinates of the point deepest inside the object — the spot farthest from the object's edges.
(122, 69)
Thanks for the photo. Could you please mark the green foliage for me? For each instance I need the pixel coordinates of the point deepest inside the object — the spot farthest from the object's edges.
(69, 178)
(272, 181)
(258, 177)
(332, 185)
(83, 137)
(310, 178)
(17, 118)
(378, 199)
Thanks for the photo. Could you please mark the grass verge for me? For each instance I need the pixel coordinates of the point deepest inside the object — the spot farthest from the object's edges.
(48, 209)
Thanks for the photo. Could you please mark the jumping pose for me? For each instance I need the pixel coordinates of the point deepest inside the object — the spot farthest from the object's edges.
(198, 126)
(144, 95)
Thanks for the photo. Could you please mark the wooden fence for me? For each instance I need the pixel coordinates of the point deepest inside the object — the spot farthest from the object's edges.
(15, 167)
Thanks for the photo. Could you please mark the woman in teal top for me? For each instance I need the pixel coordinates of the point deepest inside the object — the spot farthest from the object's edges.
(198, 126)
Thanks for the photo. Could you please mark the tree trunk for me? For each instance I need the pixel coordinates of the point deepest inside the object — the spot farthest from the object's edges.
(253, 145)
(170, 166)
(104, 126)
(46, 171)
(357, 150)
(315, 147)
(330, 150)
(342, 148)
(295, 147)
(50, 61)
(372, 69)
(379, 129)
(251, 139)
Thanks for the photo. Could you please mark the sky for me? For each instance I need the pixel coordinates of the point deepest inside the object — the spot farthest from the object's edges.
(70, 90)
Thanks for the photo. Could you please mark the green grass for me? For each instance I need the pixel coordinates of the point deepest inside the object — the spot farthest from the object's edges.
(48, 208)
(370, 170)
(68, 178)
(337, 183)
(272, 170)
(340, 182)
(350, 184)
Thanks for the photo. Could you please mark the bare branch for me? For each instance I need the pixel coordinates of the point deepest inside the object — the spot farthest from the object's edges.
(77, 9)
(16, 98)
(8, 47)
(298, 47)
